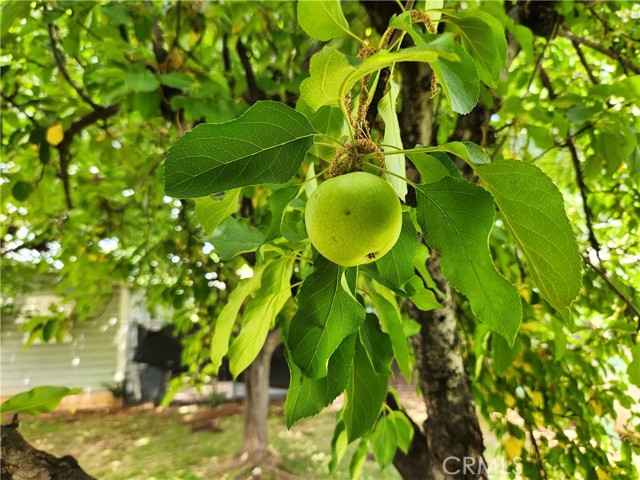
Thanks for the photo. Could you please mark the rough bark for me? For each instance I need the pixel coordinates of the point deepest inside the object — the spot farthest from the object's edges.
(256, 415)
(20, 461)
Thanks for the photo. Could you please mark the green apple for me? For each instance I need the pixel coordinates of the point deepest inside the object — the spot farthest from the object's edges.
(354, 219)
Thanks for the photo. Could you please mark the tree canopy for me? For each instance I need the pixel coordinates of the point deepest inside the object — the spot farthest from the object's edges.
(172, 146)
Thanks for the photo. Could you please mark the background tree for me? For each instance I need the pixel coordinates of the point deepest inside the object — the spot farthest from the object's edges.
(85, 84)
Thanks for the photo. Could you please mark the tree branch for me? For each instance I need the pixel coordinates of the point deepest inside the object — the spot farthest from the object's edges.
(588, 213)
(58, 55)
(254, 91)
(584, 63)
(603, 274)
(64, 146)
(609, 52)
(10, 100)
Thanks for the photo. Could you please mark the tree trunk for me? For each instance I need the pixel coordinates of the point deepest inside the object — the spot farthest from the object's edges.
(20, 461)
(256, 399)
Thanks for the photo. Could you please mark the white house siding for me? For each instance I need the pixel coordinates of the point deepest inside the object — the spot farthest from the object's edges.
(94, 354)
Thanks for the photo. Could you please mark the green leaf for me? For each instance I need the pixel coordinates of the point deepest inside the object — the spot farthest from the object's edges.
(329, 68)
(265, 145)
(614, 143)
(44, 152)
(634, 367)
(559, 339)
(396, 267)
(147, 104)
(533, 210)
(358, 458)
(234, 236)
(483, 37)
(49, 329)
(210, 211)
(503, 354)
(260, 314)
(322, 19)
(433, 167)
(377, 345)
(308, 396)
(333, 75)
(458, 78)
(37, 400)
(404, 430)
(176, 80)
(364, 395)
(384, 440)
(339, 444)
(422, 297)
(429, 52)
(278, 202)
(391, 321)
(140, 79)
(456, 218)
(327, 314)
(393, 163)
(225, 321)
(21, 190)
(12, 11)
(476, 155)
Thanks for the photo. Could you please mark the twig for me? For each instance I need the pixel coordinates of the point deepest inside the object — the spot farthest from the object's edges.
(175, 44)
(584, 63)
(535, 72)
(10, 101)
(603, 274)
(58, 55)
(255, 92)
(65, 145)
(609, 52)
(226, 62)
(588, 213)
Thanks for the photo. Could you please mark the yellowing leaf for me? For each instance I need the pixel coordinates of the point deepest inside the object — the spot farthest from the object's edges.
(602, 475)
(536, 399)
(597, 408)
(513, 447)
(55, 134)
(509, 400)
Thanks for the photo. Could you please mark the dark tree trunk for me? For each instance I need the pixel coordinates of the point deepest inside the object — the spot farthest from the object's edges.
(256, 401)
(20, 461)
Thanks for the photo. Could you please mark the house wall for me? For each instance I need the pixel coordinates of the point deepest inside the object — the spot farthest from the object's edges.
(94, 354)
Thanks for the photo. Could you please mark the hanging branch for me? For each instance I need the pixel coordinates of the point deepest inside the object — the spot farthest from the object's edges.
(584, 62)
(254, 91)
(10, 100)
(60, 62)
(588, 213)
(609, 52)
(64, 147)
(614, 288)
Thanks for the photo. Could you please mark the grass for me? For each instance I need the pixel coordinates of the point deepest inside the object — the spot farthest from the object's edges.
(185, 443)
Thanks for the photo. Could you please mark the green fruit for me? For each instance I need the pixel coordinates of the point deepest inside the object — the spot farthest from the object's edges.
(354, 218)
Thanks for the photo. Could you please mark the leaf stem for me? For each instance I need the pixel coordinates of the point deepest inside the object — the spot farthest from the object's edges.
(329, 137)
(311, 179)
(388, 172)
